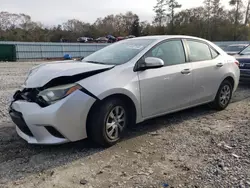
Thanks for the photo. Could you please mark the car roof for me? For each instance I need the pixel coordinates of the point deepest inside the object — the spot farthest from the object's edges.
(239, 45)
(164, 37)
(159, 37)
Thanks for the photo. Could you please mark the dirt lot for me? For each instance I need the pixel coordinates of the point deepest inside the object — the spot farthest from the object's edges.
(196, 148)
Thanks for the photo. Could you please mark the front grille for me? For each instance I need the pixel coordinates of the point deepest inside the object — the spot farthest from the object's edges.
(247, 66)
(17, 118)
(245, 73)
(244, 63)
(244, 66)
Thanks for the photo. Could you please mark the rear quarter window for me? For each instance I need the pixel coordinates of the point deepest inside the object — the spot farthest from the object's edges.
(214, 53)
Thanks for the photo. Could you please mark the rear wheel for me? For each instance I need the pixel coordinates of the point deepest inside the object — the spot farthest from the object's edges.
(223, 96)
(108, 122)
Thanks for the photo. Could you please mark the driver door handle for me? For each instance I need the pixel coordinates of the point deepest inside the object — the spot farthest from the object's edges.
(219, 65)
(186, 71)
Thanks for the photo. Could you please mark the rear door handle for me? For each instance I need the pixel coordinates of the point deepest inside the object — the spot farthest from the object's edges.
(186, 71)
(219, 65)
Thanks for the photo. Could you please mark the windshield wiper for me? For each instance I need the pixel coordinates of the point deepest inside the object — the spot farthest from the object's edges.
(96, 62)
(101, 63)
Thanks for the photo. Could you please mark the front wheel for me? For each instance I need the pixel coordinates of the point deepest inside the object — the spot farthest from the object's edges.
(223, 96)
(108, 122)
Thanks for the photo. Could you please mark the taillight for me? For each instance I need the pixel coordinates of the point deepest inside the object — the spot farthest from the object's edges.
(237, 63)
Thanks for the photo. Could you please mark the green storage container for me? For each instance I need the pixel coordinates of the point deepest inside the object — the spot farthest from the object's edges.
(7, 52)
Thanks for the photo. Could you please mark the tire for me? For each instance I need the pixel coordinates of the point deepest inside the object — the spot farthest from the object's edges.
(102, 124)
(223, 96)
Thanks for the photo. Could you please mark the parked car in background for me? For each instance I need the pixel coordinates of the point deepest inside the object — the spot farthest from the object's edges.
(102, 40)
(120, 38)
(64, 40)
(122, 84)
(130, 36)
(111, 38)
(244, 63)
(222, 46)
(85, 40)
(235, 48)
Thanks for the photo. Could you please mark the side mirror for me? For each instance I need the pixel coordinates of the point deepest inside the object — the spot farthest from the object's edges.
(151, 63)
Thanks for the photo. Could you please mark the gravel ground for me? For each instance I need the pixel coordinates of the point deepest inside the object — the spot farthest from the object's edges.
(196, 148)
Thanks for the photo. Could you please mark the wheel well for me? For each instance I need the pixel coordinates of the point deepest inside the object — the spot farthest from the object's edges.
(128, 101)
(230, 79)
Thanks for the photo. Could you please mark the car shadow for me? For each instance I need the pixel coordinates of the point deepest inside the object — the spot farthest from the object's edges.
(173, 119)
(19, 159)
(243, 92)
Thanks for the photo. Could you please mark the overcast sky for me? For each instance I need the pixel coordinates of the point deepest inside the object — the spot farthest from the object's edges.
(51, 12)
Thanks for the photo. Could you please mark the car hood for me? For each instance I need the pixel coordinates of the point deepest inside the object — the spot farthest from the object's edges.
(45, 73)
(242, 57)
(232, 52)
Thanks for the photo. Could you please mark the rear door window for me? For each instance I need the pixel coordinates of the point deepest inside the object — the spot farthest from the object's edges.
(199, 51)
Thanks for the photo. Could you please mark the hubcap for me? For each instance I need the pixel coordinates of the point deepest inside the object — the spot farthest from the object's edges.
(225, 95)
(115, 122)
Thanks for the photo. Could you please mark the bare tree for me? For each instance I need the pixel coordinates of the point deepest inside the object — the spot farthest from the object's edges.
(208, 14)
(247, 13)
(237, 4)
(172, 5)
(160, 17)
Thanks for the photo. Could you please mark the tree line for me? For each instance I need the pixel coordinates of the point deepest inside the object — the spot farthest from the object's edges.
(212, 21)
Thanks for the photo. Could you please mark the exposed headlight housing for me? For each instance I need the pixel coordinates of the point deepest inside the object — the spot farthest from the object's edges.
(53, 94)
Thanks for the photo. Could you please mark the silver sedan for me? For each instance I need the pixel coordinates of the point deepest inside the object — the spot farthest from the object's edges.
(120, 85)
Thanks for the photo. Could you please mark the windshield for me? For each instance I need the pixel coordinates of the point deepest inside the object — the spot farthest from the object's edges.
(235, 48)
(119, 53)
(245, 51)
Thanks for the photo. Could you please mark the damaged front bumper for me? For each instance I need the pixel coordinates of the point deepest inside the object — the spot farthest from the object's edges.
(61, 122)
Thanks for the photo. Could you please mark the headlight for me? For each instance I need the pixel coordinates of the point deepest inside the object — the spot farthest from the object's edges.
(54, 94)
